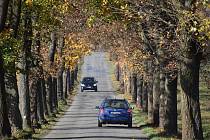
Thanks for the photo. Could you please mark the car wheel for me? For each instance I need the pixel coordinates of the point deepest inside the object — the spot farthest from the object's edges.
(82, 90)
(99, 124)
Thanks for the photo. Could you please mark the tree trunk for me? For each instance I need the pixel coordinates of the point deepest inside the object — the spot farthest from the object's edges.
(168, 103)
(60, 70)
(72, 79)
(5, 129)
(140, 91)
(13, 100)
(134, 88)
(156, 97)
(49, 94)
(60, 85)
(55, 95)
(33, 102)
(44, 96)
(15, 20)
(3, 13)
(171, 104)
(40, 103)
(189, 80)
(68, 75)
(65, 84)
(145, 97)
(10, 75)
(50, 89)
(150, 101)
(22, 76)
(162, 101)
(76, 72)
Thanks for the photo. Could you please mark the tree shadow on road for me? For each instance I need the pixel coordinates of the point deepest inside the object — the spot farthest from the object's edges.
(94, 137)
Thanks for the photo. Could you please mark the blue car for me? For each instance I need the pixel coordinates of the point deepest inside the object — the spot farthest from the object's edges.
(115, 111)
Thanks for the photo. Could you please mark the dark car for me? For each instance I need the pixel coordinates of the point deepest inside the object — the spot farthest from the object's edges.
(89, 83)
(115, 111)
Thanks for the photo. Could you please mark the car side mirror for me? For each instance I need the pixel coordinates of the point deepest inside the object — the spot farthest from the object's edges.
(97, 107)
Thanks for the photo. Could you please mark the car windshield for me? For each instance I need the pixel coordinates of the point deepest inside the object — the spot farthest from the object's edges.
(88, 80)
(118, 104)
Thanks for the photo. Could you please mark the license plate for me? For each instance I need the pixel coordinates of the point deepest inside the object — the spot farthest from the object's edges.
(115, 113)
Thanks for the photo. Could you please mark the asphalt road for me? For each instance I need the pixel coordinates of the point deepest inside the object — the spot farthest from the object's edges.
(80, 120)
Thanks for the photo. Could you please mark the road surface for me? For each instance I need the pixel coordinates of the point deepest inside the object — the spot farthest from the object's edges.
(80, 120)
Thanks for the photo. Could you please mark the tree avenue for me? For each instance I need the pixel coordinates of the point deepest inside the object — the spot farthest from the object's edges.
(158, 48)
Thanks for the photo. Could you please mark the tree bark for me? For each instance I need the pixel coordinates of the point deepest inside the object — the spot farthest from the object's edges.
(117, 72)
(49, 94)
(139, 91)
(171, 104)
(5, 129)
(40, 103)
(60, 85)
(189, 80)
(134, 88)
(52, 49)
(72, 79)
(55, 95)
(168, 103)
(145, 97)
(162, 101)
(60, 70)
(68, 75)
(13, 100)
(76, 72)
(44, 96)
(156, 97)
(33, 102)
(3, 13)
(23, 67)
(65, 84)
(10, 74)
(150, 101)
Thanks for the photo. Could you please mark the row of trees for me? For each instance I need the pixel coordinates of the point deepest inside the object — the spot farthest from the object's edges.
(38, 61)
(153, 43)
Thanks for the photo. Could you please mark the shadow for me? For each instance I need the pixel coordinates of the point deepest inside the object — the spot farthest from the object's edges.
(106, 137)
(79, 116)
(121, 127)
(165, 135)
(146, 125)
(107, 91)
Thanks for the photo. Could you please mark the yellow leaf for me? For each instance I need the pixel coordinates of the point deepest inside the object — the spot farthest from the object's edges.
(29, 3)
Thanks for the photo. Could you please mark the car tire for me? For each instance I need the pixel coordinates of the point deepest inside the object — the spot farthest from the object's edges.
(99, 124)
(82, 90)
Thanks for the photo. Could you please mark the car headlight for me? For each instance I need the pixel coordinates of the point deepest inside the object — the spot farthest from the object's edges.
(94, 84)
(82, 85)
